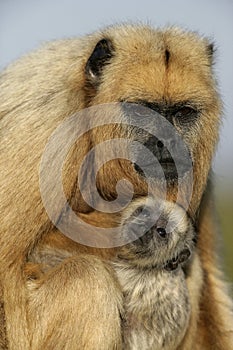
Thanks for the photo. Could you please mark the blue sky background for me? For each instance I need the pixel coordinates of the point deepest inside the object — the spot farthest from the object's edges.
(25, 24)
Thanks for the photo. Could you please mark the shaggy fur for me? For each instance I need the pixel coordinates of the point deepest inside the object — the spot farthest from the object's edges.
(160, 319)
(55, 293)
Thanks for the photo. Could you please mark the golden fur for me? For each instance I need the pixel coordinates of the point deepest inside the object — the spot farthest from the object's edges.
(160, 319)
(55, 293)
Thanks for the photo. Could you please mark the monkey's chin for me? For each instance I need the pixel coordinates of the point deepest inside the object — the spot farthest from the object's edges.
(146, 259)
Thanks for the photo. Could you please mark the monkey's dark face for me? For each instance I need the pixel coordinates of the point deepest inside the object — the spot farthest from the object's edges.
(164, 242)
(172, 122)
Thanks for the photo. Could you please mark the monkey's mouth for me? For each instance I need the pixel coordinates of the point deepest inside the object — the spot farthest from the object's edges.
(166, 169)
(181, 258)
(171, 264)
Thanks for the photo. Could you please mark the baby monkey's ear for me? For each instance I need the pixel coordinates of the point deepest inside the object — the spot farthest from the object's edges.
(100, 56)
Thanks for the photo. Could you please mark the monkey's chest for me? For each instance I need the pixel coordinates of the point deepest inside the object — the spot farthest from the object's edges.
(156, 308)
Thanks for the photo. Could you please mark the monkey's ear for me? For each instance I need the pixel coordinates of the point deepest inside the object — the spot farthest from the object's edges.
(210, 52)
(100, 56)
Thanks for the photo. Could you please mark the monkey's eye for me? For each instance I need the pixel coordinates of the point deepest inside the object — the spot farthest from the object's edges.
(145, 212)
(186, 114)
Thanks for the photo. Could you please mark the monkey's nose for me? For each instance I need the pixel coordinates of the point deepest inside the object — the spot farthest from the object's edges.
(160, 162)
(160, 150)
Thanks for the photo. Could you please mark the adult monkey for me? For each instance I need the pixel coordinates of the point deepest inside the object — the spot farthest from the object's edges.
(46, 301)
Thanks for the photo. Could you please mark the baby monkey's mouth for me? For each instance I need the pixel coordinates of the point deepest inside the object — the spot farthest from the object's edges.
(182, 257)
(165, 242)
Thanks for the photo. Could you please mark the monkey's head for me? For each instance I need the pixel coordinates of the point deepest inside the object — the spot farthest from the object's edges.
(155, 75)
(161, 234)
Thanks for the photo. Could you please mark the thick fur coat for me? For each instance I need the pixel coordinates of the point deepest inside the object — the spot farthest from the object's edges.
(54, 292)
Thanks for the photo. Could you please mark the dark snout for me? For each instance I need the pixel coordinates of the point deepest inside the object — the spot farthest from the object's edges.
(166, 158)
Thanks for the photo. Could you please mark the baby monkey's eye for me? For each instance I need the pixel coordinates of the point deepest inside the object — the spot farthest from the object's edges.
(186, 114)
(146, 213)
(142, 211)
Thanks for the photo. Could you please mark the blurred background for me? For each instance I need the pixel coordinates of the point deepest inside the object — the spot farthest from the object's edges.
(25, 24)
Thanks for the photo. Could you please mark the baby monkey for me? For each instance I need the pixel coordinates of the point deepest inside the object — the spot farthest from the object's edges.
(152, 272)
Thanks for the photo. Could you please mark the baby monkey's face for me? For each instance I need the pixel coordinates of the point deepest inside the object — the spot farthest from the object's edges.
(161, 234)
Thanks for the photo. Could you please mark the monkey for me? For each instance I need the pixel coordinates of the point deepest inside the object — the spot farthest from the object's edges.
(151, 268)
(154, 264)
(45, 276)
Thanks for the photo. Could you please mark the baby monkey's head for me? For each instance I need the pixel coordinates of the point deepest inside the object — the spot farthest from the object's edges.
(160, 232)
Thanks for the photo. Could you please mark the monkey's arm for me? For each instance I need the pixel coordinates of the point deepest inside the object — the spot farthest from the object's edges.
(74, 305)
(216, 309)
(3, 341)
(212, 319)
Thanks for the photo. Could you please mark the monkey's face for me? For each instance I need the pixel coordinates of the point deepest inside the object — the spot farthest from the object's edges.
(158, 73)
(163, 241)
(154, 130)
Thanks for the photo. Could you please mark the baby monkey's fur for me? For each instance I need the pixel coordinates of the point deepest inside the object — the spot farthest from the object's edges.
(156, 298)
